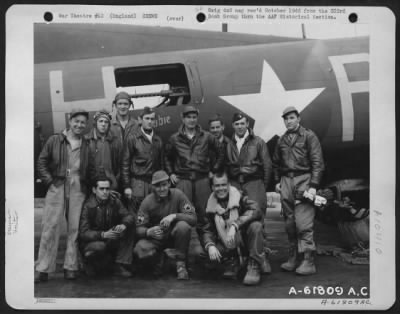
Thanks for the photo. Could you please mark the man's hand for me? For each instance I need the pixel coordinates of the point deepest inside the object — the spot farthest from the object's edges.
(120, 228)
(312, 191)
(231, 236)
(278, 188)
(166, 221)
(111, 234)
(174, 179)
(214, 254)
(310, 194)
(128, 193)
(155, 233)
(115, 194)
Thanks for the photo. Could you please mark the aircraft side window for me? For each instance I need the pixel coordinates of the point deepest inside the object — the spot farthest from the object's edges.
(156, 85)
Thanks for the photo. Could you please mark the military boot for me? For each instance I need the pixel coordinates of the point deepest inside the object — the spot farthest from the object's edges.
(181, 271)
(41, 277)
(253, 275)
(307, 266)
(290, 265)
(121, 270)
(231, 268)
(265, 265)
(158, 266)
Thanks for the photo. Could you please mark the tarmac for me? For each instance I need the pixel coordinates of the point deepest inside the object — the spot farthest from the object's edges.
(334, 278)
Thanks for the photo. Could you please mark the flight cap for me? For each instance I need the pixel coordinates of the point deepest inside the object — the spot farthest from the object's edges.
(122, 95)
(159, 176)
(77, 112)
(146, 110)
(189, 109)
(102, 114)
(216, 117)
(289, 109)
(238, 116)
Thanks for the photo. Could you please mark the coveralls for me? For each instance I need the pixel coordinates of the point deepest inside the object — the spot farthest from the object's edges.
(62, 165)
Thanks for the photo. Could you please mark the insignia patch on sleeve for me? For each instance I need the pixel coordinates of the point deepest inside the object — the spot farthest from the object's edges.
(187, 208)
(139, 219)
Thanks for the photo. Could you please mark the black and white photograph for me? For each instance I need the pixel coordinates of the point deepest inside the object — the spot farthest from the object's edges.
(200, 157)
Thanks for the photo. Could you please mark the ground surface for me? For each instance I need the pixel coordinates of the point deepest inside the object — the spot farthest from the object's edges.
(331, 272)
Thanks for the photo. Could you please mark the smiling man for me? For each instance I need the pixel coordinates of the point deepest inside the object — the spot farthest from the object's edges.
(248, 161)
(63, 168)
(216, 127)
(123, 124)
(298, 167)
(233, 230)
(143, 155)
(104, 148)
(187, 159)
(164, 220)
(106, 231)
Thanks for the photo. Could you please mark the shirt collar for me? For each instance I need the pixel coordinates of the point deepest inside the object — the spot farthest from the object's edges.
(148, 135)
(238, 139)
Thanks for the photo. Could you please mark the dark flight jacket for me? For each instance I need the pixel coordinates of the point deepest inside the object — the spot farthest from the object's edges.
(141, 158)
(53, 161)
(153, 210)
(184, 157)
(302, 155)
(249, 211)
(252, 163)
(97, 217)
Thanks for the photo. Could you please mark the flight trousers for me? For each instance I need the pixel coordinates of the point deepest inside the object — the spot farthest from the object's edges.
(298, 213)
(118, 250)
(253, 244)
(178, 237)
(198, 191)
(55, 208)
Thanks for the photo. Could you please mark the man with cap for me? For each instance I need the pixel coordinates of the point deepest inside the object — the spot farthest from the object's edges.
(64, 168)
(298, 167)
(104, 148)
(233, 230)
(216, 128)
(143, 155)
(249, 165)
(106, 231)
(123, 124)
(187, 159)
(164, 219)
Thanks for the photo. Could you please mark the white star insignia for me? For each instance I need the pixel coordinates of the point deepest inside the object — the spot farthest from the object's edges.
(266, 106)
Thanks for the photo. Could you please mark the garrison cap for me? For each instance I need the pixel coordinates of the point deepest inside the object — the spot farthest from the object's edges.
(102, 113)
(289, 109)
(159, 176)
(122, 95)
(146, 110)
(189, 109)
(216, 117)
(238, 116)
(77, 112)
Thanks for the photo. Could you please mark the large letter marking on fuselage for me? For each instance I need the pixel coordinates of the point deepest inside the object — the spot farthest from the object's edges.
(60, 106)
(346, 88)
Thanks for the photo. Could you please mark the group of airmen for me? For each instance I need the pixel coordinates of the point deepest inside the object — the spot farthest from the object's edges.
(129, 199)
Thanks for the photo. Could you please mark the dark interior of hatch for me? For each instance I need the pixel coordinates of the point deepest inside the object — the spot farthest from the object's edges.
(172, 74)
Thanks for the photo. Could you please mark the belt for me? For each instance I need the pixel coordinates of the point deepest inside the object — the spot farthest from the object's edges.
(143, 178)
(292, 174)
(72, 173)
(243, 178)
(192, 175)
